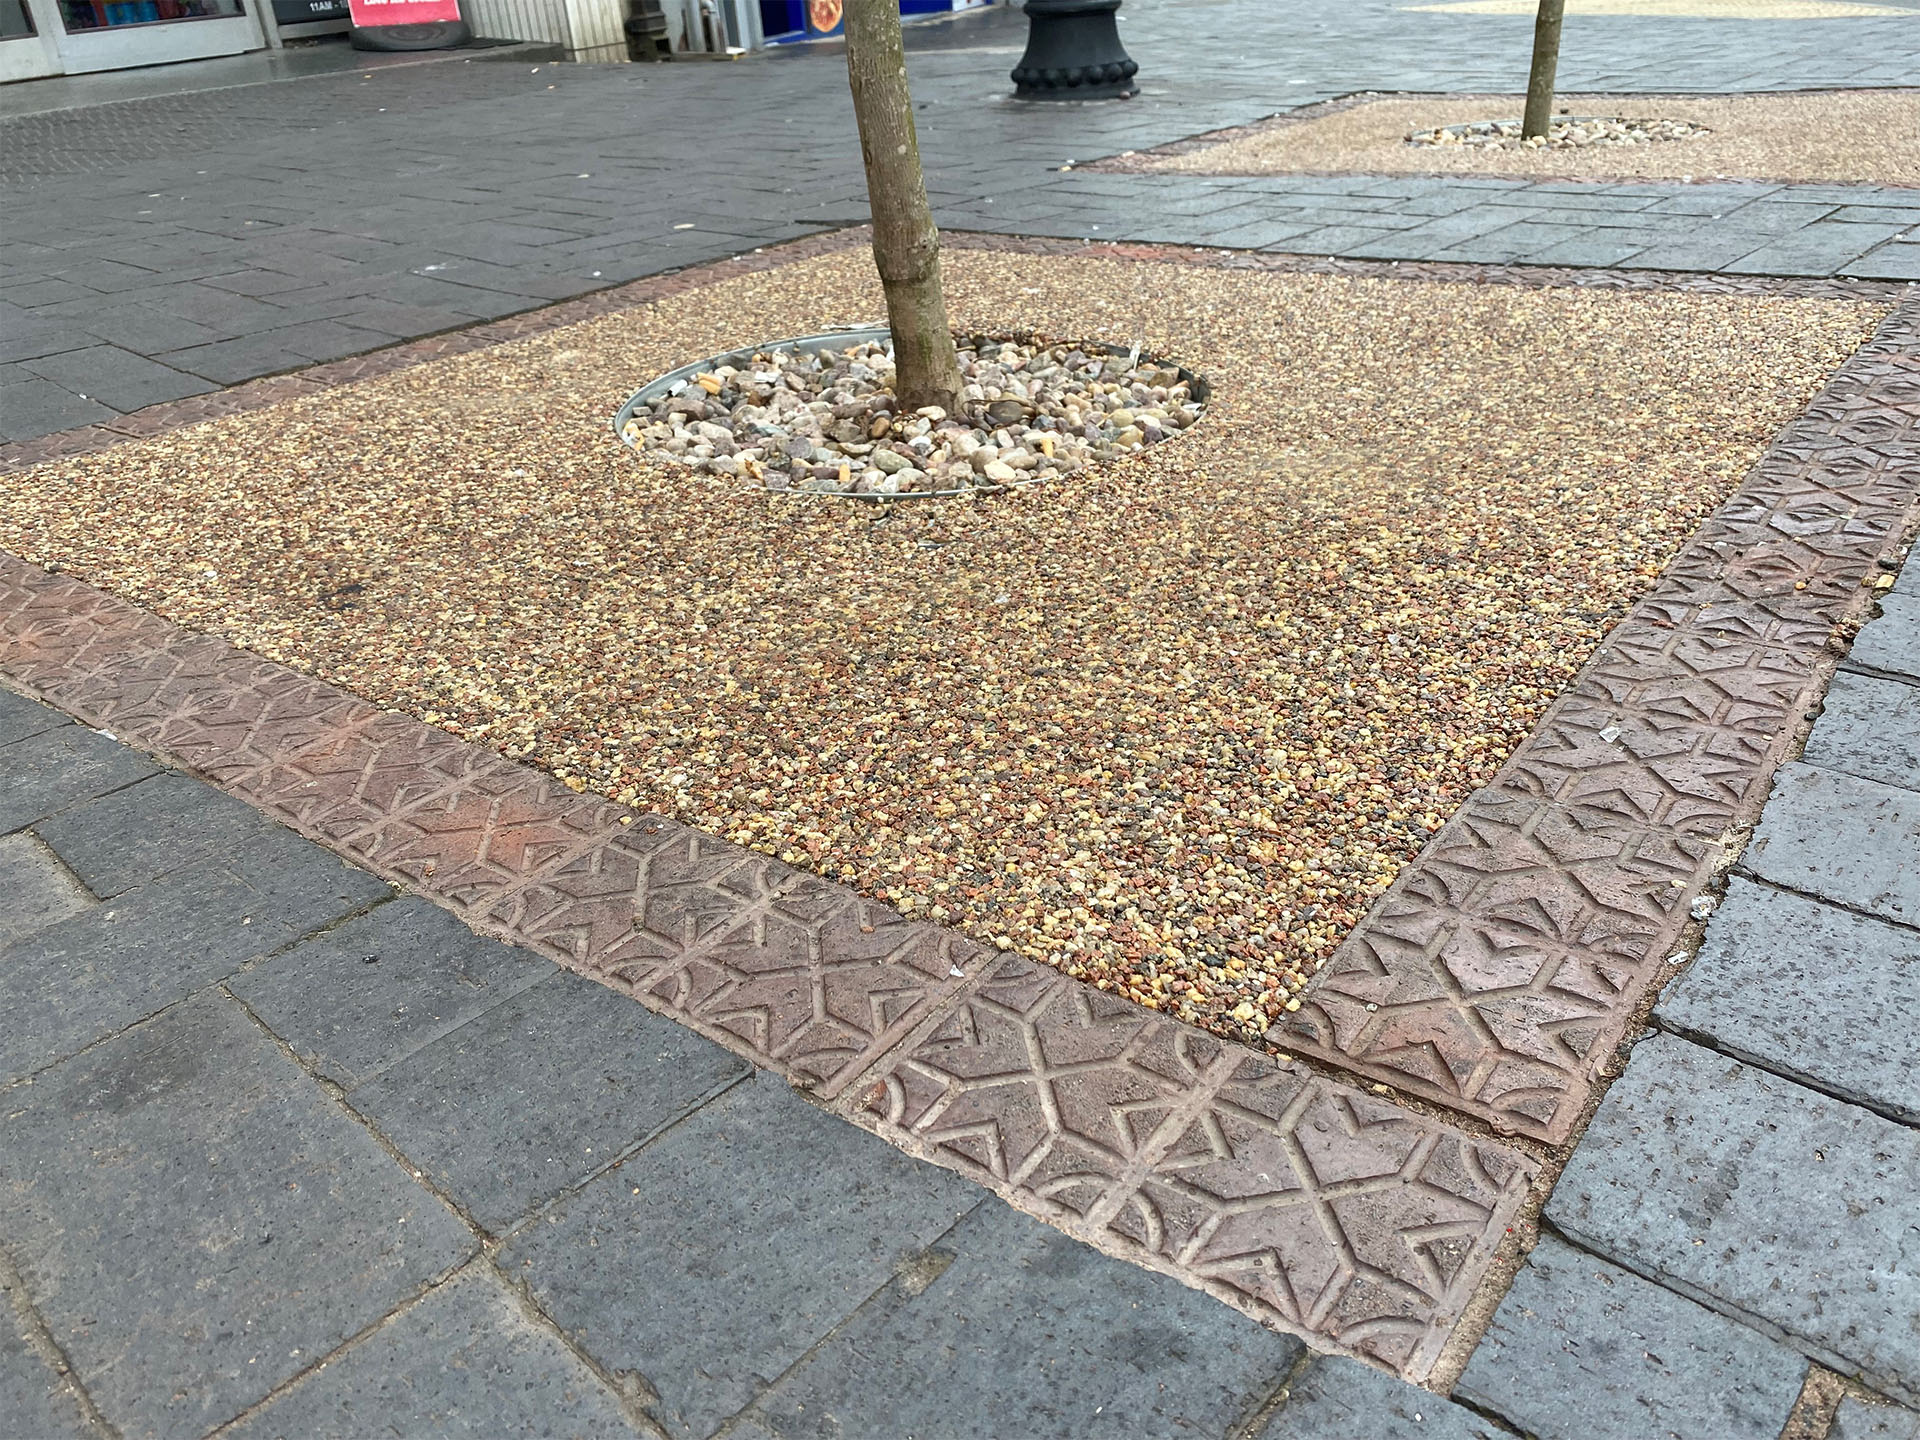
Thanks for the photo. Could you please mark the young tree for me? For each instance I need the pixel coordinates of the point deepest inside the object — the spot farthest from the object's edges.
(906, 246)
(1546, 60)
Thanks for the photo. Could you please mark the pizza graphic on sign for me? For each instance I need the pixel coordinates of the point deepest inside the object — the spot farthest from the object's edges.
(825, 14)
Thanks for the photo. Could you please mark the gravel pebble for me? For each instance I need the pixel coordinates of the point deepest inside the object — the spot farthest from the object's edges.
(827, 422)
(1566, 134)
(1170, 723)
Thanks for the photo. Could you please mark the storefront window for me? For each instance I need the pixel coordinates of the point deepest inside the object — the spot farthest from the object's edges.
(102, 14)
(14, 20)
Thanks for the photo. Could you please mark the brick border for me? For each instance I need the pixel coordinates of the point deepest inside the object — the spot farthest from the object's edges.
(1302, 1201)
(1499, 972)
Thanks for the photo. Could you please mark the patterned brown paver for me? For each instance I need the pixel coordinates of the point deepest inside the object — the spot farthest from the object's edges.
(1495, 977)
(1499, 972)
(1300, 1199)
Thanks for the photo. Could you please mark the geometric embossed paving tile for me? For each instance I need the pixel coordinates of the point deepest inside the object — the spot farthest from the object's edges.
(1494, 977)
(1498, 973)
(1301, 1200)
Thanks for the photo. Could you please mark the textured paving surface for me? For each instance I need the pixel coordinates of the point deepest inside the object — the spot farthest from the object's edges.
(1761, 1157)
(1503, 965)
(222, 1198)
(137, 269)
(1324, 1209)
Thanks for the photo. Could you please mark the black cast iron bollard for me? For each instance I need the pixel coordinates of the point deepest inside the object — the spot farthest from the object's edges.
(1074, 53)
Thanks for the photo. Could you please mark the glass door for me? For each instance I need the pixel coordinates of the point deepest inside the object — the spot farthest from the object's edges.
(113, 34)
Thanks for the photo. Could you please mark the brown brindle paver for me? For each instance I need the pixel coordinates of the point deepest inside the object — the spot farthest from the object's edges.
(1297, 1198)
(1499, 972)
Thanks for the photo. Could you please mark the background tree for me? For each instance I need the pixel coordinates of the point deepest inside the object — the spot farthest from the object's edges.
(906, 246)
(1546, 60)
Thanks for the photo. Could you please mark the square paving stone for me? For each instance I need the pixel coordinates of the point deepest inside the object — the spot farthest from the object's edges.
(39, 891)
(1008, 1327)
(197, 1221)
(382, 986)
(1809, 991)
(1764, 1199)
(1892, 642)
(1871, 728)
(124, 960)
(1852, 841)
(116, 377)
(21, 717)
(719, 1255)
(1857, 1420)
(36, 1401)
(32, 408)
(539, 1091)
(465, 1361)
(65, 766)
(1581, 1349)
(1342, 1399)
(159, 825)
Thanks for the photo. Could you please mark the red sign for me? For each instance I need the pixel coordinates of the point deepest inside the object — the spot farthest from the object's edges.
(370, 13)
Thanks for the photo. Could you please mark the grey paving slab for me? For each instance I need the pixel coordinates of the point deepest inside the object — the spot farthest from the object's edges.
(21, 717)
(464, 1362)
(1339, 1399)
(538, 1092)
(197, 1221)
(36, 890)
(36, 1401)
(1857, 1420)
(1823, 247)
(1891, 643)
(46, 773)
(35, 407)
(1032, 1334)
(162, 823)
(1869, 727)
(1809, 991)
(383, 985)
(1855, 842)
(1580, 1348)
(1766, 1200)
(1893, 261)
(101, 970)
(652, 1268)
(117, 377)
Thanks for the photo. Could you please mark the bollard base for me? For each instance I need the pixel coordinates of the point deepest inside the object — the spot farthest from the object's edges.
(1074, 53)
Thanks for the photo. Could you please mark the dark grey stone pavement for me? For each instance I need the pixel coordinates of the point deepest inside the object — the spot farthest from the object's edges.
(284, 1153)
(164, 245)
(1756, 1166)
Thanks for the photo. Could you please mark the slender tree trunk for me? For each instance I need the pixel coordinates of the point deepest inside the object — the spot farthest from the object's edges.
(1546, 60)
(906, 246)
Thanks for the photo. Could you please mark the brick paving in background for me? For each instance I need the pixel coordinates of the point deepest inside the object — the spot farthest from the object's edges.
(169, 245)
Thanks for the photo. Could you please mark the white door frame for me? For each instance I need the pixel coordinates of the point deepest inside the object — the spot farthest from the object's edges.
(28, 57)
(120, 47)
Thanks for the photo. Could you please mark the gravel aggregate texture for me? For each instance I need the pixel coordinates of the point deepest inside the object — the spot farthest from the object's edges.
(1169, 724)
(1856, 136)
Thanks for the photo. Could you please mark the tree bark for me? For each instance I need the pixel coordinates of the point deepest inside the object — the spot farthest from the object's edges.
(906, 246)
(1546, 60)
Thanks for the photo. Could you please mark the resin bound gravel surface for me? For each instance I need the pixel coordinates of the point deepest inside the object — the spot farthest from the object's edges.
(1169, 723)
(1862, 136)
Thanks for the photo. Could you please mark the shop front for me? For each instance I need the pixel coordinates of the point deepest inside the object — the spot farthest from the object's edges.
(72, 37)
(782, 21)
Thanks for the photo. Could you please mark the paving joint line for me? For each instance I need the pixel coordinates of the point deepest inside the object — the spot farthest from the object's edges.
(38, 1335)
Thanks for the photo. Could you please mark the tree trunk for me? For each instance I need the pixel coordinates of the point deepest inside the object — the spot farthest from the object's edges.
(906, 246)
(1546, 60)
